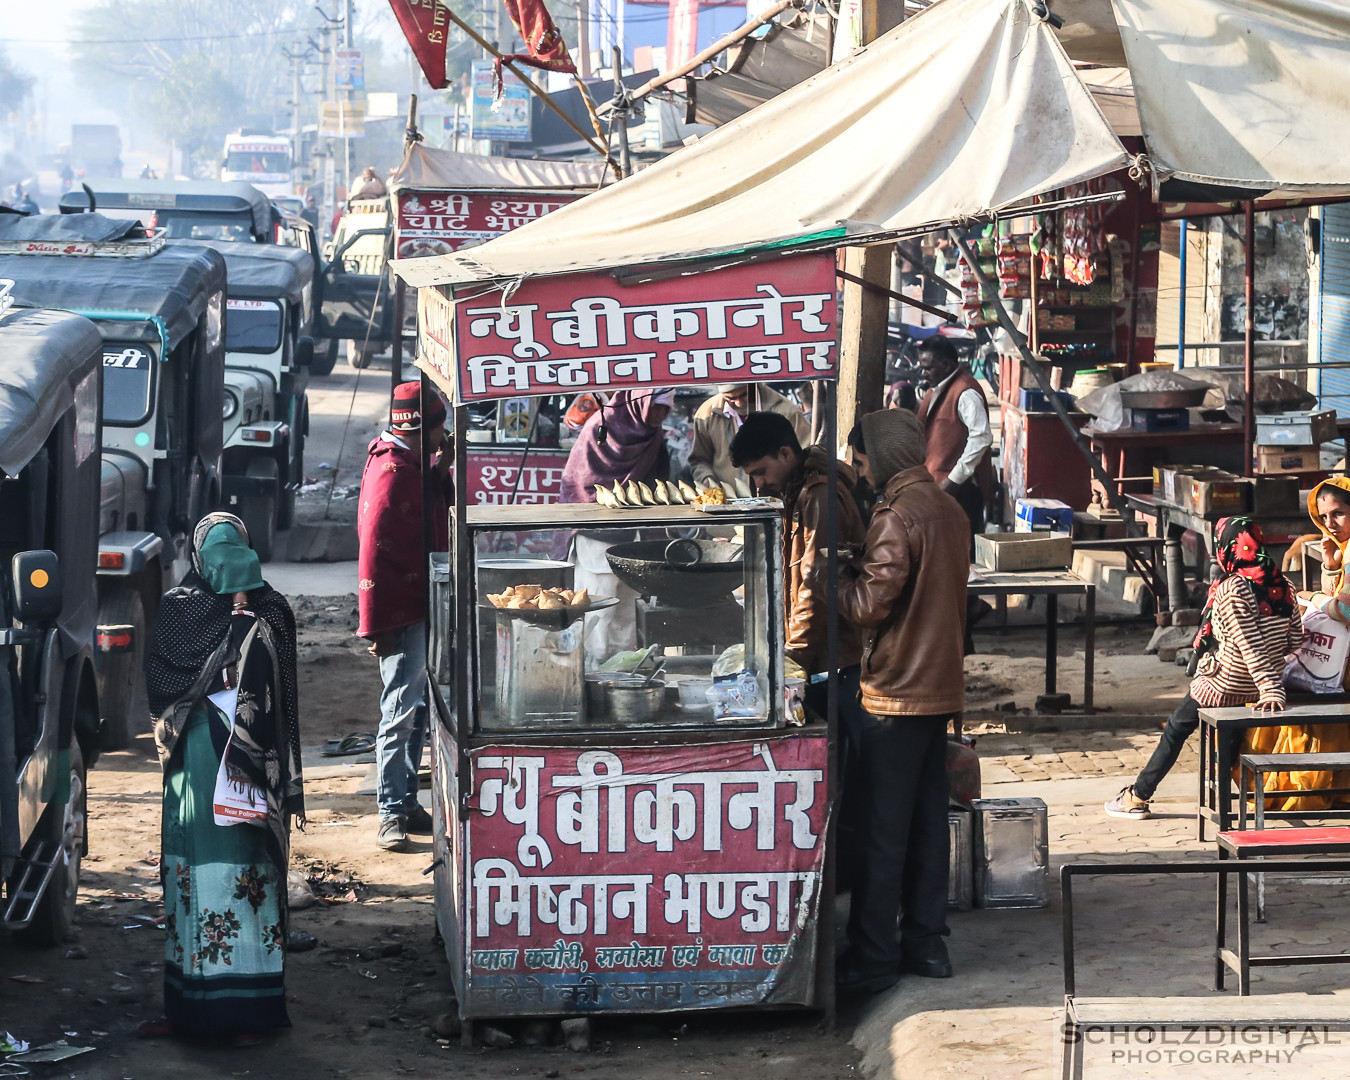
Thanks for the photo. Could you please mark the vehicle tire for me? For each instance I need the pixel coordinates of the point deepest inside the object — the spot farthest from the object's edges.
(259, 512)
(356, 356)
(66, 825)
(287, 495)
(121, 676)
(325, 356)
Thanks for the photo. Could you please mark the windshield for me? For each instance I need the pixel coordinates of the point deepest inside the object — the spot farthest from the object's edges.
(252, 326)
(126, 384)
(258, 161)
(199, 225)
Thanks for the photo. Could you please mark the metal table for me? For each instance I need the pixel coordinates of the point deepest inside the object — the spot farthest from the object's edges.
(1052, 584)
(1221, 732)
(1173, 520)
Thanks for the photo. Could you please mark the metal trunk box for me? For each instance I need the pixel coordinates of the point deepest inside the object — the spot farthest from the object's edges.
(1297, 429)
(961, 865)
(1012, 853)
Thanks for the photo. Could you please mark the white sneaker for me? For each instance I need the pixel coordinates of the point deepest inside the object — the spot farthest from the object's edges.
(1127, 805)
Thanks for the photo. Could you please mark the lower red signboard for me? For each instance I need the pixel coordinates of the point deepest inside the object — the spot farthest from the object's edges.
(643, 878)
(498, 478)
(761, 322)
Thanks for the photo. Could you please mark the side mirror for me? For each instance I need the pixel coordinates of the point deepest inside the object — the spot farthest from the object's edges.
(304, 351)
(37, 587)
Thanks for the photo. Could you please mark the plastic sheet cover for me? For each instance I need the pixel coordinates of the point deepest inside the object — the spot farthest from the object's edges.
(967, 107)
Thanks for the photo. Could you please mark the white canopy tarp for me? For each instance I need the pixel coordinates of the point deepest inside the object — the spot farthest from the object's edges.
(1244, 93)
(968, 107)
(427, 169)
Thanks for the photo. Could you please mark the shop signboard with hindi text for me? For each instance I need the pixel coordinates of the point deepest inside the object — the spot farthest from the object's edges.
(642, 878)
(761, 322)
(497, 477)
(439, 222)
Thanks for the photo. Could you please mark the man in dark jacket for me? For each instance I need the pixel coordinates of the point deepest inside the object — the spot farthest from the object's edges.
(908, 595)
(400, 472)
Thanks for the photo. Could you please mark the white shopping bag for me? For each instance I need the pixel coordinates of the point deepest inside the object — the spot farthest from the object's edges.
(237, 799)
(1318, 665)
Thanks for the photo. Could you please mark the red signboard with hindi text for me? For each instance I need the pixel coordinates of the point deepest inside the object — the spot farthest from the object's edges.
(643, 878)
(497, 477)
(762, 322)
(439, 222)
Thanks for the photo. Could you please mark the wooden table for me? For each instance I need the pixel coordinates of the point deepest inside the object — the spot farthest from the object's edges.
(1221, 732)
(1052, 584)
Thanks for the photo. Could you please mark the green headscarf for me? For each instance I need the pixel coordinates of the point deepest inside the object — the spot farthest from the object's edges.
(228, 563)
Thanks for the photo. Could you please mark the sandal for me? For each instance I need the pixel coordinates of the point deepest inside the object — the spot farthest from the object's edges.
(244, 1039)
(355, 743)
(159, 1028)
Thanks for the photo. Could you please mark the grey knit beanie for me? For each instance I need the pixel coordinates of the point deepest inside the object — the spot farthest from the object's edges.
(895, 442)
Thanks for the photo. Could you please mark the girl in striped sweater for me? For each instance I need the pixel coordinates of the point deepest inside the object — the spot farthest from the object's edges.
(1249, 626)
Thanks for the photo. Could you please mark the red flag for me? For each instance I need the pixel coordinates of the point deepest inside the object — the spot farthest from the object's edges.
(547, 48)
(424, 24)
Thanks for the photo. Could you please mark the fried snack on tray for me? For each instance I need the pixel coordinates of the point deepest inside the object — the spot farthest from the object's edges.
(537, 598)
(712, 496)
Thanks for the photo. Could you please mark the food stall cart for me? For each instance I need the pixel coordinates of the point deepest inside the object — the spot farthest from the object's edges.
(630, 815)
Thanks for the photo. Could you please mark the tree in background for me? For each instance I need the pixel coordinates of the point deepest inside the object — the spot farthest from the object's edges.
(196, 69)
(14, 84)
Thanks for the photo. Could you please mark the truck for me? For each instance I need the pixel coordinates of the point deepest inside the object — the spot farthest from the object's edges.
(261, 159)
(159, 308)
(96, 149)
(269, 309)
(50, 394)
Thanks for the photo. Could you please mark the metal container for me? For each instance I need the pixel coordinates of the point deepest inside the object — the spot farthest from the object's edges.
(960, 868)
(1012, 853)
(681, 573)
(630, 702)
(441, 644)
(1164, 399)
(495, 573)
(540, 674)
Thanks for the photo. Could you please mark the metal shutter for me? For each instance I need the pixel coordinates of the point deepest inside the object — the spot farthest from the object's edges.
(1335, 308)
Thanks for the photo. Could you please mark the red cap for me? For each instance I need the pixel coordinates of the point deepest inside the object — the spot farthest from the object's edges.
(406, 414)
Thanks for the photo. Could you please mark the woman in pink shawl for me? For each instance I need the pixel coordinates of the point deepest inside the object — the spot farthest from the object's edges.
(622, 441)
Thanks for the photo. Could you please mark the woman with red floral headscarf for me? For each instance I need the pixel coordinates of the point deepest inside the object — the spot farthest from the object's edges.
(1249, 626)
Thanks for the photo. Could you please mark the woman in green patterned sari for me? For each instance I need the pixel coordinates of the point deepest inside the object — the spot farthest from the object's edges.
(221, 680)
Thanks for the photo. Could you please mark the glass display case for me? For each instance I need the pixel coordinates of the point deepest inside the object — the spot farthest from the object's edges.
(592, 619)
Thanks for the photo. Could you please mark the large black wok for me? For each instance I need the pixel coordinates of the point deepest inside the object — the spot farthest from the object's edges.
(680, 573)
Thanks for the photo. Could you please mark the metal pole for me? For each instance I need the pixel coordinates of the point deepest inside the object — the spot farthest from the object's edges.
(400, 289)
(620, 107)
(1181, 320)
(990, 291)
(826, 931)
(1249, 342)
(584, 39)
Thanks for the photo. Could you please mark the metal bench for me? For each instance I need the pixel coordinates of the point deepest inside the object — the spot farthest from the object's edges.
(1112, 1016)
(1321, 840)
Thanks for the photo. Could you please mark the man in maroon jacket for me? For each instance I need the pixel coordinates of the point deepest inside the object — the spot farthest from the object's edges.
(400, 471)
(956, 421)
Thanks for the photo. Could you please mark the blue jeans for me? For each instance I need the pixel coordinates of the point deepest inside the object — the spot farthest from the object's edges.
(403, 722)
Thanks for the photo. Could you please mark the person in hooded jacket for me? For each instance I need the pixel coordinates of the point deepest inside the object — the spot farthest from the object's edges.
(908, 597)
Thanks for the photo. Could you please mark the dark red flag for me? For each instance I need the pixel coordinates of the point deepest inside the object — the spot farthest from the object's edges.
(547, 48)
(424, 24)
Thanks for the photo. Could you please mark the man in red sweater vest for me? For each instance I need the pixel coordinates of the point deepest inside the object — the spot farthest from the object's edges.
(956, 421)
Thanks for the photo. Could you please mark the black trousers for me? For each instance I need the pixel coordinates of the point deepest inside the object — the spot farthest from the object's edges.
(1180, 726)
(901, 766)
(849, 849)
(971, 499)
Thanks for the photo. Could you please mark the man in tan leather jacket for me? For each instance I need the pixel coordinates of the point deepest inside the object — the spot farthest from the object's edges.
(908, 596)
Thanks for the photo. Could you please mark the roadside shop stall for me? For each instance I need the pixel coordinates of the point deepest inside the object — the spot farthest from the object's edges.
(445, 201)
(628, 815)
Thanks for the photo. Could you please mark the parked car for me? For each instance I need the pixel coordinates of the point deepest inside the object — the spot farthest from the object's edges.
(160, 310)
(186, 209)
(50, 390)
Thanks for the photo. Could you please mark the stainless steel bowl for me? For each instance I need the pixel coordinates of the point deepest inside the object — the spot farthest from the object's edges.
(632, 703)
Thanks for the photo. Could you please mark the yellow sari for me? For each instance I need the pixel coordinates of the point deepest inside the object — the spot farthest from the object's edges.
(1297, 739)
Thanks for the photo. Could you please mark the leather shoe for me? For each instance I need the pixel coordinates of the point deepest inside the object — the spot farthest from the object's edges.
(851, 980)
(418, 821)
(936, 968)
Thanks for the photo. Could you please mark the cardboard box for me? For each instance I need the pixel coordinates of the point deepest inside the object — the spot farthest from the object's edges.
(1174, 482)
(1023, 551)
(1287, 459)
(1043, 515)
(1272, 496)
(1216, 495)
(1298, 429)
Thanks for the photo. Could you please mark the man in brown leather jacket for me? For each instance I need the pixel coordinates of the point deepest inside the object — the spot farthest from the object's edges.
(908, 595)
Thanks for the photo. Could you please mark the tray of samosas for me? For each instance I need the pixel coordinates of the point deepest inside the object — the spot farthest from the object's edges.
(552, 609)
(664, 493)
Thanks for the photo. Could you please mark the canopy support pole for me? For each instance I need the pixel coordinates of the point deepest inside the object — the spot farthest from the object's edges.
(992, 297)
(899, 297)
(1249, 342)
(535, 88)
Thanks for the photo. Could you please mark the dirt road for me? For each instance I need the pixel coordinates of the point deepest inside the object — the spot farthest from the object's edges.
(369, 1001)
